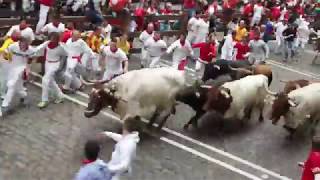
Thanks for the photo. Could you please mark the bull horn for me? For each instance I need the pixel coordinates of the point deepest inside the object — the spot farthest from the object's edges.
(241, 69)
(283, 81)
(87, 82)
(292, 103)
(206, 86)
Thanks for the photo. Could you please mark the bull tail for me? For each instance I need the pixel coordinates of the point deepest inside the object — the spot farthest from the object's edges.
(270, 78)
(266, 87)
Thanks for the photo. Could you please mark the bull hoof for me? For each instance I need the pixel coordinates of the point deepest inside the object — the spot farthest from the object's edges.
(186, 127)
(261, 119)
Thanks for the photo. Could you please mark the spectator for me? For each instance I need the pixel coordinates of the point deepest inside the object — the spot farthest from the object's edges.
(125, 150)
(311, 168)
(94, 13)
(43, 13)
(241, 31)
(190, 7)
(93, 168)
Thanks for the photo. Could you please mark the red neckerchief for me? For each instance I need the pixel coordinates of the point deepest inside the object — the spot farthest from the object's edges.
(15, 38)
(149, 32)
(182, 44)
(56, 24)
(87, 161)
(52, 45)
(22, 28)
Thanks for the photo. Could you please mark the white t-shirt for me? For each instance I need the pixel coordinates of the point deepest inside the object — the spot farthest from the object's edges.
(280, 27)
(114, 60)
(27, 32)
(77, 48)
(193, 23)
(155, 48)
(144, 36)
(50, 28)
(54, 54)
(203, 27)
(180, 52)
(258, 10)
(20, 58)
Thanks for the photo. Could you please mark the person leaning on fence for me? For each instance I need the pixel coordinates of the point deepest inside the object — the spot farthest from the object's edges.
(43, 13)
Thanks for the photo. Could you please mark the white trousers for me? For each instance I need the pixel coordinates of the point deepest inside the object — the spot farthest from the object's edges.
(70, 74)
(48, 81)
(191, 37)
(255, 20)
(144, 56)
(199, 38)
(90, 62)
(14, 85)
(154, 61)
(43, 14)
(176, 62)
(256, 58)
(4, 65)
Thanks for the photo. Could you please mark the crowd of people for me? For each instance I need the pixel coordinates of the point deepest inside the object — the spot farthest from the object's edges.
(70, 53)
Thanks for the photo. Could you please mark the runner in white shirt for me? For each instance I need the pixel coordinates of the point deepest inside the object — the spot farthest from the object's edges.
(202, 30)
(54, 26)
(20, 53)
(280, 27)
(181, 48)
(155, 47)
(192, 28)
(257, 14)
(54, 53)
(144, 36)
(23, 28)
(75, 48)
(303, 33)
(227, 50)
(106, 31)
(116, 61)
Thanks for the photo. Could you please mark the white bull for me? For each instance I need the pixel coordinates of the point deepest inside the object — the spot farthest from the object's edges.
(297, 107)
(145, 92)
(239, 99)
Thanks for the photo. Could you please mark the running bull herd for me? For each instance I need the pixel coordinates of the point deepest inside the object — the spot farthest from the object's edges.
(232, 90)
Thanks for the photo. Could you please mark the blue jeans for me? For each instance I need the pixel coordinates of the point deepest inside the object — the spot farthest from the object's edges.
(288, 49)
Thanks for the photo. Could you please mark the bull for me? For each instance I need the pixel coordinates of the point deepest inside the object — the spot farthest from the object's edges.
(145, 93)
(293, 85)
(196, 96)
(239, 99)
(235, 69)
(297, 107)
